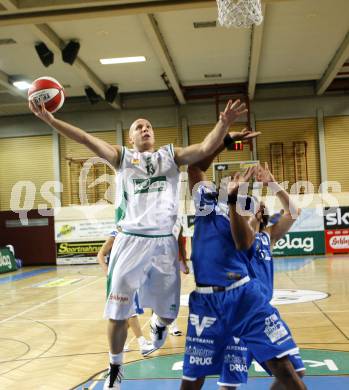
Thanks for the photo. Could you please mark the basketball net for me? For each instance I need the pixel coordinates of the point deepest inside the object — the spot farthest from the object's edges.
(239, 13)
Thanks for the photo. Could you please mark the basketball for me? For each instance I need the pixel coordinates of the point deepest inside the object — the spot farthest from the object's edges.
(48, 90)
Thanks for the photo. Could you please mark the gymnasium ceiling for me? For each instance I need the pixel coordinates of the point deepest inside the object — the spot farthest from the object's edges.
(300, 40)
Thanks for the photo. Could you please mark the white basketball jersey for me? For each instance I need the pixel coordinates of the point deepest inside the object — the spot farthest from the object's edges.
(147, 192)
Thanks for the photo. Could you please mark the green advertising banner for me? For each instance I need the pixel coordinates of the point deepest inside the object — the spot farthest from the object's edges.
(7, 261)
(300, 244)
(317, 362)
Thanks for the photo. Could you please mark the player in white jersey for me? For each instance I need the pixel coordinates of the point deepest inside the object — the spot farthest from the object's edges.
(146, 251)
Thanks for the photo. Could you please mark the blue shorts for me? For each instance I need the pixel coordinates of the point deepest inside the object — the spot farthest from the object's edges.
(238, 359)
(243, 312)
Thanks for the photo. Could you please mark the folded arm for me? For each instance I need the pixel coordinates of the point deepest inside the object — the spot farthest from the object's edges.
(289, 217)
(240, 225)
(241, 229)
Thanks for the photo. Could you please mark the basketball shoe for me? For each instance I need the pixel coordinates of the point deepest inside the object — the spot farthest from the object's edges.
(114, 377)
(157, 333)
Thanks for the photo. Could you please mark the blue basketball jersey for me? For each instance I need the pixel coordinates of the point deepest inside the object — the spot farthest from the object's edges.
(214, 256)
(262, 263)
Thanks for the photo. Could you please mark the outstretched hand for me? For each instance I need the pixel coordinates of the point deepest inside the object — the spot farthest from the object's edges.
(244, 135)
(264, 175)
(39, 110)
(232, 112)
(239, 178)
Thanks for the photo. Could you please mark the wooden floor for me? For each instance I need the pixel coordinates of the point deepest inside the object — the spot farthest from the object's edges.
(52, 335)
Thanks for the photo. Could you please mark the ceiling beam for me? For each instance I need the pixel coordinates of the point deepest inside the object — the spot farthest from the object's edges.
(103, 11)
(10, 5)
(156, 39)
(56, 4)
(255, 52)
(4, 81)
(56, 44)
(334, 66)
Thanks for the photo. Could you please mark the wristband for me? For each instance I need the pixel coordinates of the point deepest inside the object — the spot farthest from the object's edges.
(232, 199)
(228, 140)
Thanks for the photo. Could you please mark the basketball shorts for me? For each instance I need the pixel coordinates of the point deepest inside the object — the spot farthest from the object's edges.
(145, 265)
(138, 310)
(243, 312)
(238, 359)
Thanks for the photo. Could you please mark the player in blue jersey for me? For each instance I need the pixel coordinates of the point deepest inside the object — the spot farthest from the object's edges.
(262, 262)
(267, 236)
(263, 268)
(227, 301)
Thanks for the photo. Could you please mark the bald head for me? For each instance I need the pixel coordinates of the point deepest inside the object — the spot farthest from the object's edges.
(139, 122)
(141, 135)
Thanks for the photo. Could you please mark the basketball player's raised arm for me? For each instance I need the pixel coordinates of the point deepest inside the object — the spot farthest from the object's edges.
(241, 229)
(291, 213)
(96, 145)
(194, 153)
(230, 138)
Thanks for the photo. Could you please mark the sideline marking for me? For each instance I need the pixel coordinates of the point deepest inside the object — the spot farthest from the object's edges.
(25, 275)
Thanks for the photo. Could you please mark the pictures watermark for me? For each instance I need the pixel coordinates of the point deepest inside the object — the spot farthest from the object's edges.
(24, 193)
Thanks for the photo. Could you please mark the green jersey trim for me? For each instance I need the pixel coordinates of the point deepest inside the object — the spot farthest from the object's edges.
(120, 212)
(122, 155)
(109, 277)
(172, 150)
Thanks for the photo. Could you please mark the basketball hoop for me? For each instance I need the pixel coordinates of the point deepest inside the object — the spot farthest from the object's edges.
(239, 13)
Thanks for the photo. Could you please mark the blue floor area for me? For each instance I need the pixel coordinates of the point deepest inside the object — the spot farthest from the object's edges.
(25, 275)
(313, 383)
(292, 264)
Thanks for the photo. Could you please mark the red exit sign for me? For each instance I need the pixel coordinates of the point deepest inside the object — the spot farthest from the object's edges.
(238, 145)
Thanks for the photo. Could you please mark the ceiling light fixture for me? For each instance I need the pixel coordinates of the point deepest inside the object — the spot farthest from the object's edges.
(212, 75)
(206, 24)
(121, 60)
(22, 85)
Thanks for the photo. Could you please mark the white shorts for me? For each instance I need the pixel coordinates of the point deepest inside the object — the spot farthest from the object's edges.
(145, 265)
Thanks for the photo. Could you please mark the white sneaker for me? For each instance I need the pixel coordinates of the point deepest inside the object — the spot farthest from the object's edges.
(174, 330)
(126, 348)
(157, 333)
(146, 347)
(114, 377)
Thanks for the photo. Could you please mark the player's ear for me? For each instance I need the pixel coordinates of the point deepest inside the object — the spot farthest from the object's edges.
(130, 137)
